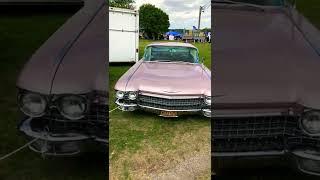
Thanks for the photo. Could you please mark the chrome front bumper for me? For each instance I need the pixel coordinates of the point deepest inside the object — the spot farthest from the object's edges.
(66, 144)
(135, 106)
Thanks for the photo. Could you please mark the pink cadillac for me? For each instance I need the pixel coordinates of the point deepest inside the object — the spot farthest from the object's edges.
(169, 80)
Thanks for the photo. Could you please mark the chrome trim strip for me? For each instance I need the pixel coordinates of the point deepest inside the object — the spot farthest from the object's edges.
(170, 97)
(207, 111)
(125, 105)
(300, 156)
(305, 155)
(307, 172)
(102, 140)
(160, 109)
(26, 128)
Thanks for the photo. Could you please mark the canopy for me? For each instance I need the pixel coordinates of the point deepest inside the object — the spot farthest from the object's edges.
(173, 33)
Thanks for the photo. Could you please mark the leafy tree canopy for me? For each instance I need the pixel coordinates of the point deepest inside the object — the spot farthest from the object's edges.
(153, 21)
(127, 4)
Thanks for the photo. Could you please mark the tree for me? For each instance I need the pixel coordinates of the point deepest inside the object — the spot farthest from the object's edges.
(206, 30)
(153, 21)
(127, 4)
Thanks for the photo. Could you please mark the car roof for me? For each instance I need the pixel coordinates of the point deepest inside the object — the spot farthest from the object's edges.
(178, 44)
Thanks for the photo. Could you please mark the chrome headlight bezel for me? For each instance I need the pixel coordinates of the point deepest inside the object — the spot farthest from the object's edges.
(120, 94)
(83, 103)
(22, 107)
(307, 128)
(207, 100)
(127, 95)
(132, 95)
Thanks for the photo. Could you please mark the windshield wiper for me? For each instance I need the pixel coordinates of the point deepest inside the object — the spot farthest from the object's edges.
(260, 7)
(159, 61)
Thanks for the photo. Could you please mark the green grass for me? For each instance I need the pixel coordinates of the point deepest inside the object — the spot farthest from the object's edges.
(132, 132)
(20, 37)
(311, 10)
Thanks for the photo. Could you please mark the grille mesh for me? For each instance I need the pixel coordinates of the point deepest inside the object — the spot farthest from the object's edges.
(255, 126)
(171, 104)
(267, 133)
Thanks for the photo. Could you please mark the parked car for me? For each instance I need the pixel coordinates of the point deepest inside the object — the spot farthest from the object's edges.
(63, 87)
(169, 80)
(266, 96)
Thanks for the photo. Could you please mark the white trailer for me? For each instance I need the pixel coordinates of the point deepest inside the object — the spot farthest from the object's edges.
(123, 35)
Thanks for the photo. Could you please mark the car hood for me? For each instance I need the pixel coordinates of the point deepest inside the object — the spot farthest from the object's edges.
(74, 59)
(261, 57)
(168, 78)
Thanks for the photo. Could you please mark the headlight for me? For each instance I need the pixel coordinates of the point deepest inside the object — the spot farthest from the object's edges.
(311, 122)
(32, 104)
(120, 94)
(73, 107)
(132, 95)
(207, 100)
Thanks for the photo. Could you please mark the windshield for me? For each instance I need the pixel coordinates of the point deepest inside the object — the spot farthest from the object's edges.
(171, 53)
(257, 2)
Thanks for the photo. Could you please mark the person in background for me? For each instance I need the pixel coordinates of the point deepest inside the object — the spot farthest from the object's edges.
(209, 37)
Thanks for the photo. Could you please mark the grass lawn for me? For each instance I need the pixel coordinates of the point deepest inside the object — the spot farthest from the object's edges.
(311, 10)
(142, 144)
(20, 36)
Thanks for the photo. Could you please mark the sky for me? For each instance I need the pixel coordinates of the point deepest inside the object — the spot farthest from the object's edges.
(182, 13)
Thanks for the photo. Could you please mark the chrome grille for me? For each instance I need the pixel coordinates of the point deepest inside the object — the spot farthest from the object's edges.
(264, 126)
(265, 133)
(171, 104)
